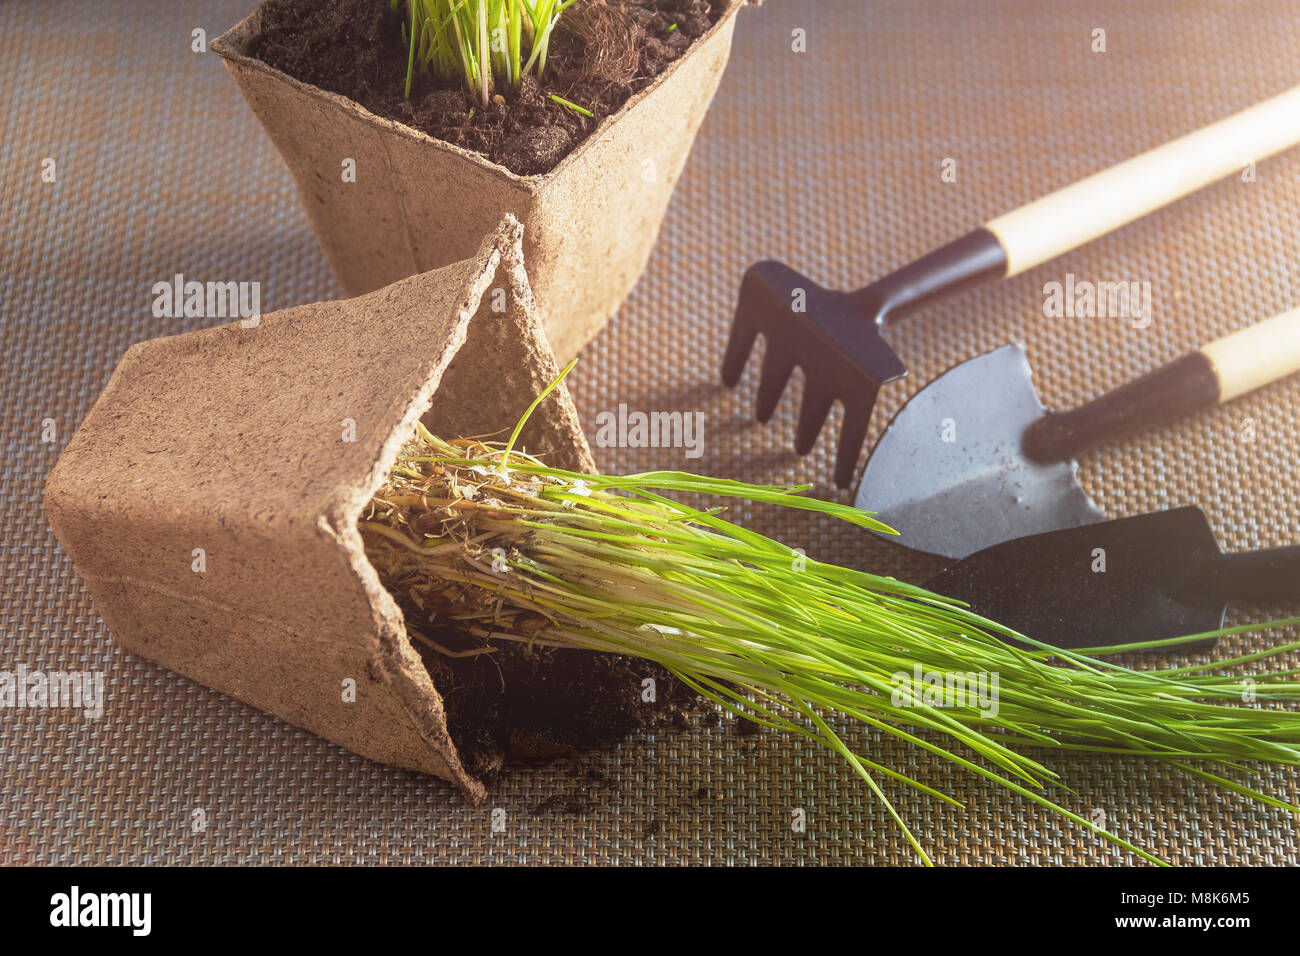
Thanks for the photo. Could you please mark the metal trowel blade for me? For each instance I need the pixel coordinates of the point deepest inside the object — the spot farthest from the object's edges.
(949, 473)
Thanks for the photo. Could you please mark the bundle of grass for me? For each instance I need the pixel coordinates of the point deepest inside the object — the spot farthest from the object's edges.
(506, 549)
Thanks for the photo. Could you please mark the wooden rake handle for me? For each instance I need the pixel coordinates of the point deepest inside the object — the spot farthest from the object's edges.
(1092, 207)
(1225, 369)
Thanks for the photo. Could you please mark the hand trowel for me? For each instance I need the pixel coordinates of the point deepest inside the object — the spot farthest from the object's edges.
(974, 459)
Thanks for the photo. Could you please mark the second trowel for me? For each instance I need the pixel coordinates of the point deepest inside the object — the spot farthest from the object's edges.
(1161, 576)
(974, 458)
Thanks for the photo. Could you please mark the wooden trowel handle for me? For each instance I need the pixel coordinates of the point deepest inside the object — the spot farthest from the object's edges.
(1252, 357)
(1218, 372)
(1092, 207)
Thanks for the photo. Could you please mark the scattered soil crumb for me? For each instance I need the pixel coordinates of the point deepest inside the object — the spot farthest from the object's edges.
(572, 804)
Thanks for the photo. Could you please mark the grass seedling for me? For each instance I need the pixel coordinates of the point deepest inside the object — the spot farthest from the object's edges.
(511, 550)
(479, 42)
(573, 106)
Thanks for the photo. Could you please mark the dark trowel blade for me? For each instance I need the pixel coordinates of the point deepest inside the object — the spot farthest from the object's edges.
(949, 473)
(1144, 578)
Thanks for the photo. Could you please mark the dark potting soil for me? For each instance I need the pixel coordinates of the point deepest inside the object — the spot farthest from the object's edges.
(601, 53)
(521, 704)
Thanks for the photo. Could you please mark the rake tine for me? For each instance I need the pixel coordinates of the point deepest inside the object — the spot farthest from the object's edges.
(853, 435)
(739, 344)
(775, 372)
(817, 402)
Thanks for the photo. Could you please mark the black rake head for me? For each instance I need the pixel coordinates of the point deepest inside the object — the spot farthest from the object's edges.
(831, 336)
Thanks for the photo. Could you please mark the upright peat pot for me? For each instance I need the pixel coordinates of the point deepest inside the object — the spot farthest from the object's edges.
(388, 201)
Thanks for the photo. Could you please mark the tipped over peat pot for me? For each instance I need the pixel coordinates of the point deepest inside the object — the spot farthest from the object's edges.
(210, 498)
(418, 203)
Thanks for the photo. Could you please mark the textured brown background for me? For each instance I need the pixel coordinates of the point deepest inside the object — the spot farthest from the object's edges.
(829, 159)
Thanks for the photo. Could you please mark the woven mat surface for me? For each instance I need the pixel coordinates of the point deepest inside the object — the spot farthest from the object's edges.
(830, 159)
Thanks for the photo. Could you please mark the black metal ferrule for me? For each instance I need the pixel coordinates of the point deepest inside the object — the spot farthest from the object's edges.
(1264, 577)
(972, 259)
(1177, 389)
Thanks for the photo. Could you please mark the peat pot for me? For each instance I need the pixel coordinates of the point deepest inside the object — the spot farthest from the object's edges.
(210, 498)
(419, 204)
